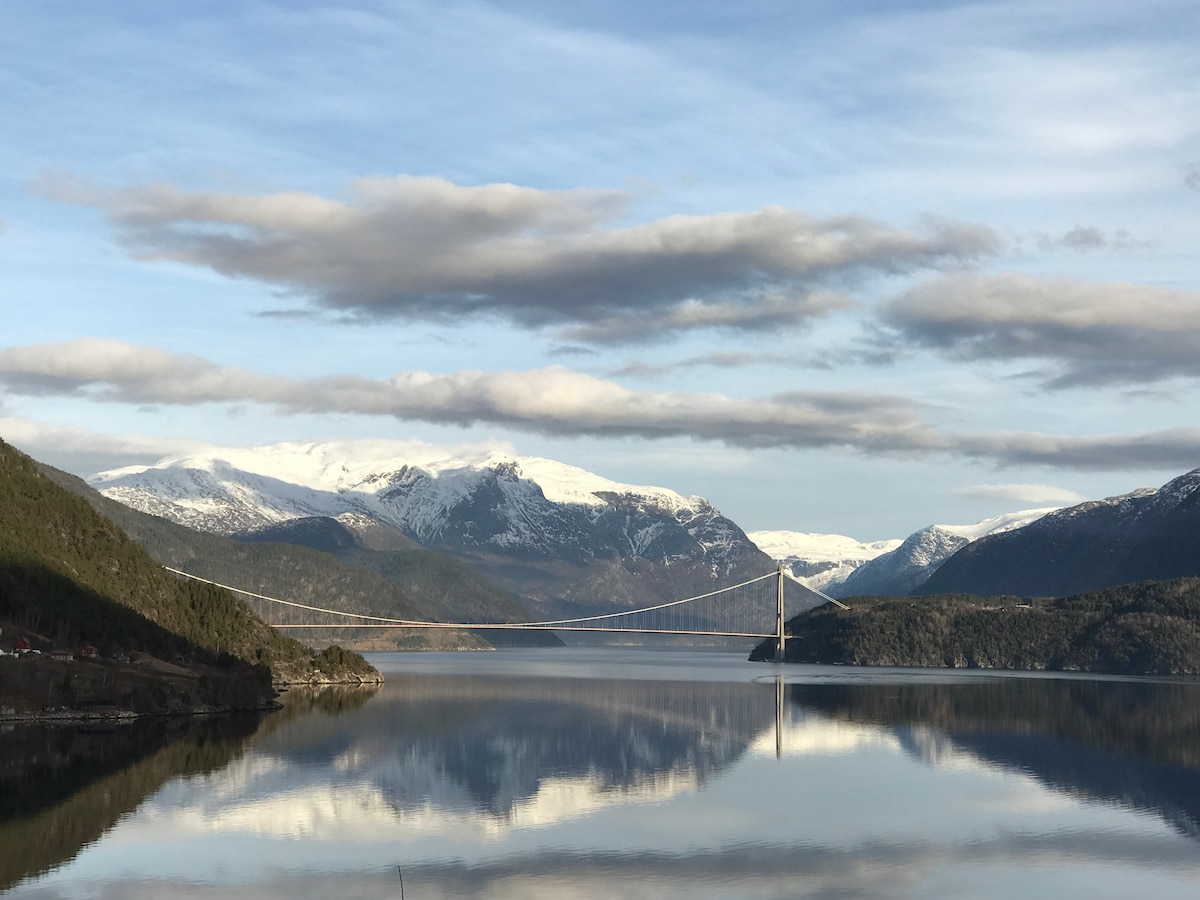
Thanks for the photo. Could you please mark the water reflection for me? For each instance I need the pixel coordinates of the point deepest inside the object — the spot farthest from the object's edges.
(1126, 742)
(593, 784)
(62, 788)
(441, 752)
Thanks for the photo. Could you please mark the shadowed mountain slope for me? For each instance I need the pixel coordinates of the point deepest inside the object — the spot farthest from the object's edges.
(75, 575)
(1140, 536)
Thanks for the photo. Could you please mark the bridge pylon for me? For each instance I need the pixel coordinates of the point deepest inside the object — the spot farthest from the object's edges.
(779, 636)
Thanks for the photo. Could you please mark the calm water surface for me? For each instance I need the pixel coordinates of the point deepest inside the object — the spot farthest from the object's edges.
(593, 773)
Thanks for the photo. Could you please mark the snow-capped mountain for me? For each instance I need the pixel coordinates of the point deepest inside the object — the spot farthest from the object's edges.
(819, 560)
(1143, 535)
(520, 518)
(909, 565)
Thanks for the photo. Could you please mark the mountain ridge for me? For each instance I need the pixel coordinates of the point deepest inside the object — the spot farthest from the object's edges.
(1142, 535)
(843, 566)
(393, 581)
(569, 541)
(910, 565)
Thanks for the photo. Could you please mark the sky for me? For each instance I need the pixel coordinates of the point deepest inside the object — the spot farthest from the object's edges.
(853, 268)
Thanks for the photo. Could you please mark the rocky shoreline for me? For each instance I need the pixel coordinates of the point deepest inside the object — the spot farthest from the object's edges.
(37, 688)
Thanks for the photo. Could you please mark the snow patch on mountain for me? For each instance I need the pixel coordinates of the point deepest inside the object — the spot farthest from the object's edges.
(819, 560)
(997, 524)
(482, 499)
(909, 565)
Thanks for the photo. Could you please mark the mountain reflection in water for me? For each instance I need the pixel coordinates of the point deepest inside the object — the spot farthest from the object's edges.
(527, 751)
(62, 788)
(1136, 743)
(527, 774)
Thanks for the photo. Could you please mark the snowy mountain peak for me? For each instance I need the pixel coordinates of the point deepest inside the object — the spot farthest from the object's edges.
(997, 524)
(468, 501)
(831, 561)
(373, 467)
(813, 546)
(921, 553)
(1178, 489)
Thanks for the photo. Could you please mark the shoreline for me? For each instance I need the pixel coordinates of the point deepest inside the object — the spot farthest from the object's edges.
(42, 690)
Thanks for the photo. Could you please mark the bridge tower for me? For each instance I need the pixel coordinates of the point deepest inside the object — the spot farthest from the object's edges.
(779, 638)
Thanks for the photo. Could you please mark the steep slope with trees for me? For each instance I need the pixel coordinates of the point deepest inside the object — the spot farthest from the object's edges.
(72, 576)
(322, 562)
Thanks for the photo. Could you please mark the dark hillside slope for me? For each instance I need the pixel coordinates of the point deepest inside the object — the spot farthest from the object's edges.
(1146, 535)
(320, 562)
(72, 575)
(274, 569)
(444, 588)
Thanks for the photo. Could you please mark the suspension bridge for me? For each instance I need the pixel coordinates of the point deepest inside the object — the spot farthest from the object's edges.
(757, 608)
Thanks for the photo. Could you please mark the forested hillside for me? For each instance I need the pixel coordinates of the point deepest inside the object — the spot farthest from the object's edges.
(1135, 629)
(72, 576)
(444, 589)
(320, 562)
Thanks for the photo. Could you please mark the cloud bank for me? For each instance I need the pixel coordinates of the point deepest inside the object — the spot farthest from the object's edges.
(1036, 494)
(1094, 333)
(424, 249)
(559, 402)
(552, 401)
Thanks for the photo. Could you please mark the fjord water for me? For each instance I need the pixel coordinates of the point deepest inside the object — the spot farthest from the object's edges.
(634, 773)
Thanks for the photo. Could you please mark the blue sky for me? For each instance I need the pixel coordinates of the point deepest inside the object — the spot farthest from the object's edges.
(837, 267)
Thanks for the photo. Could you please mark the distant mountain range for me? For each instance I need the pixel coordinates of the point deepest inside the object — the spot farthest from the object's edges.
(922, 553)
(1143, 535)
(843, 567)
(821, 561)
(566, 540)
(570, 542)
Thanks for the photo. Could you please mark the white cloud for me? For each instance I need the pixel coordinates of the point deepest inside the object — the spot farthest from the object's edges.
(1035, 494)
(83, 452)
(1097, 333)
(426, 249)
(556, 401)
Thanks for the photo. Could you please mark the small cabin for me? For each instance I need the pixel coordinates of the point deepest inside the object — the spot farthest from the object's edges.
(62, 655)
(87, 651)
(22, 646)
